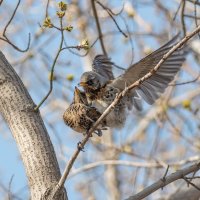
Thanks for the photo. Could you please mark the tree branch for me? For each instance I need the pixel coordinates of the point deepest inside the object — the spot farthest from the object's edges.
(162, 183)
(182, 17)
(132, 164)
(6, 39)
(52, 67)
(98, 27)
(110, 13)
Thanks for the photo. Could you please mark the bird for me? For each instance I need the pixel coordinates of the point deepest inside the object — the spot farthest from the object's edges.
(94, 80)
(80, 116)
(101, 88)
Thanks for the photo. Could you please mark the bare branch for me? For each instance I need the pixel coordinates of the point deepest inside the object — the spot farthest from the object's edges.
(187, 82)
(195, 14)
(156, 164)
(169, 179)
(191, 16)
(182, 17)
(110, 14)
(9, 188)
(5, 29)
(166, 172)
(194, 2)
(47, 7)
(52, 67)
(98, 27)
(179, 6)
(190, 183)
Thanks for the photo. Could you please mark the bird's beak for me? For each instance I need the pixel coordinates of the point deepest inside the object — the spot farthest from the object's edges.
(83, 84)
(76, 89)
(76, 92)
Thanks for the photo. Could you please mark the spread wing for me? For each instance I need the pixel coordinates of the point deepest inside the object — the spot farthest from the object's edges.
(152, 88)
(103, 66)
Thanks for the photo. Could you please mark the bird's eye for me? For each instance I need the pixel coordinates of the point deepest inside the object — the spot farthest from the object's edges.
(90, 82)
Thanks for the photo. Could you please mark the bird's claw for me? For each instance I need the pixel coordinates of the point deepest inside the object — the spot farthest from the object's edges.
(98, 132)
(80, 147)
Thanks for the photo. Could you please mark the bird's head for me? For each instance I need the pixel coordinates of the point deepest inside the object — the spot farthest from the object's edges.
(90, 80)
(79, 96)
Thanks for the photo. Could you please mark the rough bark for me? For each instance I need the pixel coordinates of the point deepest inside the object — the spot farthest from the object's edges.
(30, 134)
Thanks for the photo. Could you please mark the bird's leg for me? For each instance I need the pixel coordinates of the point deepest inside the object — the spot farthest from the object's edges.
(80, 147)
(87, 132)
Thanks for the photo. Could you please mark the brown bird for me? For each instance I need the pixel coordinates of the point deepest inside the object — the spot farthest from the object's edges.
(101, 88)
(80, 116)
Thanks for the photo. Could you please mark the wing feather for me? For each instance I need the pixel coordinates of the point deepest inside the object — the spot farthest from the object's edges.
(102, 65)
(153, 87)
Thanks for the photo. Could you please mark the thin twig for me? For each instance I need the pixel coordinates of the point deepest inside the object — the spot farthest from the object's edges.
(130, 39)
(179, 6)
(119, 67)
(5, 29)
(187, 82)
(191, 16)
(110, 14)
(78, 47)
(81, 55)
(115, 14)
(195, 14)
(166, 172)
(194, 1)
(191, 178)
(10, 196)
(190, 183)
(98, 27)
(47, 7)
(182, 17)
(52, 68)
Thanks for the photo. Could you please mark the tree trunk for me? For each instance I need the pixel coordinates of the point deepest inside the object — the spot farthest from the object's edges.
(31, 136)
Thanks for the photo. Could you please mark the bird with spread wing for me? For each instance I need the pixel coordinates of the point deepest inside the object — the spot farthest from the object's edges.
(101, 87)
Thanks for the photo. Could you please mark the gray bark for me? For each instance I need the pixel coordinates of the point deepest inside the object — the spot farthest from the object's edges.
(30, 134)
